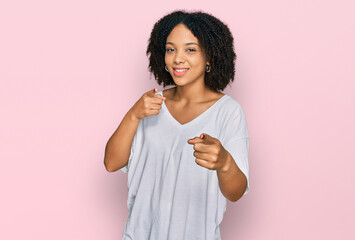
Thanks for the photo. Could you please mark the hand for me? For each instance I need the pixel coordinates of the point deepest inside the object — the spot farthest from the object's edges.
(149, 104)
(210, 153)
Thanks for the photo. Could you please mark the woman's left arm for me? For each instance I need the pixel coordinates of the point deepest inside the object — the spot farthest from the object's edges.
(232, 180)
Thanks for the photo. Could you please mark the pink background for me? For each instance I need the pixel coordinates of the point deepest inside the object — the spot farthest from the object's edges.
(70, 70)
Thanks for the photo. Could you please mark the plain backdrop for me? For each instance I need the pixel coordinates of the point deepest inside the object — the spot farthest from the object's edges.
(70, 70)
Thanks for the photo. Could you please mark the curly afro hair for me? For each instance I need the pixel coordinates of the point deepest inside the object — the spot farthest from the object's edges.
(214, 36)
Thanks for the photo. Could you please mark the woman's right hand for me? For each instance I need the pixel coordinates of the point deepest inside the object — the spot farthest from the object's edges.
(149, 104)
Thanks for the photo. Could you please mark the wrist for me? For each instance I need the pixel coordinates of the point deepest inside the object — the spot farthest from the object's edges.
(227, 164)
(131, 116)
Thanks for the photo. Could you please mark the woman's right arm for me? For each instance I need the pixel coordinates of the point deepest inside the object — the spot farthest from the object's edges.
(118, 147)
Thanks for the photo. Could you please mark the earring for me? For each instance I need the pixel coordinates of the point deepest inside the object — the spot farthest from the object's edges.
(208, 68)
(166, 69)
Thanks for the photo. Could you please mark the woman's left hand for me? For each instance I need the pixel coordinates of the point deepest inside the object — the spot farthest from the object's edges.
(209, 152)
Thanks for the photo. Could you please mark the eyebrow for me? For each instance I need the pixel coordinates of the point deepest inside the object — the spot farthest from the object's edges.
(191, 43)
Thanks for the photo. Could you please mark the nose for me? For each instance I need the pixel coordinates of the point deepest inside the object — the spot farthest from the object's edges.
(179, 57)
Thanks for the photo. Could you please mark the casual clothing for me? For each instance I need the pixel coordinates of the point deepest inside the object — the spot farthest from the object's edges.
(170, 196)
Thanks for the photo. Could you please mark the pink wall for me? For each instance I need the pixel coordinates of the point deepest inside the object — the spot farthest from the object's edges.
(70, 70)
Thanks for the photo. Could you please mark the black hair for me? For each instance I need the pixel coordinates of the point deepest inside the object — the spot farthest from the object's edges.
(215, 39)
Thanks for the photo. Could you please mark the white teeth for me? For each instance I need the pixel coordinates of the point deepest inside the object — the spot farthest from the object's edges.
(181, 70)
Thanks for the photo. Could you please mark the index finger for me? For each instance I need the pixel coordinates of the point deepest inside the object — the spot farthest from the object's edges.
(159, 96)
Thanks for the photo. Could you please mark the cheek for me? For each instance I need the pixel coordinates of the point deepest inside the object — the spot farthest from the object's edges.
(169, 56)
(198, 61)
(198, 65)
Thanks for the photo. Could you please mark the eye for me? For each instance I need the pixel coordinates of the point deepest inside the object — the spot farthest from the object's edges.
(191, 50)
(169, 50)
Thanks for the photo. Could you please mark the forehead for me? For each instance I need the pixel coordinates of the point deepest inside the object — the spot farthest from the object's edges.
(181, 35)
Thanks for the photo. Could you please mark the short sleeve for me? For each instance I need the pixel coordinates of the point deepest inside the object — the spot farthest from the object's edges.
(237, 142)
(133, 148)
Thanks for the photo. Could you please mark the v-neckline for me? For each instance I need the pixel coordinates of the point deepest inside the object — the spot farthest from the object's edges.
(196, 118)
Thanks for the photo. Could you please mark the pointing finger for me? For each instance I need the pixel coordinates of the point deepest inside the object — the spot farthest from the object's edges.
(195, 140)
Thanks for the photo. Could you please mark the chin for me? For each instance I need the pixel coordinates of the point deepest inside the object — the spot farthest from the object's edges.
(181, 82)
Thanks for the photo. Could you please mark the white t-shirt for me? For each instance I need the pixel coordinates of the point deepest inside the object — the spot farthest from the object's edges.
(170, 196)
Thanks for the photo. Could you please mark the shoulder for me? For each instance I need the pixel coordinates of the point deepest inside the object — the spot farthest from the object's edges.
(232, 121)
(231, 102)
(232, 113)
(231, 106)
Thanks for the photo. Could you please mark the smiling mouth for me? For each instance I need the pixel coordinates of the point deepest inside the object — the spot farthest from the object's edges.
(179, 72)
(180, 69)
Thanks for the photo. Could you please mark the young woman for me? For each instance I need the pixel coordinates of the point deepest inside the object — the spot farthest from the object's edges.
(185, 148)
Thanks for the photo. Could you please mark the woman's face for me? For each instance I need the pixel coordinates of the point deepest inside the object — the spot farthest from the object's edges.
(184, 57)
